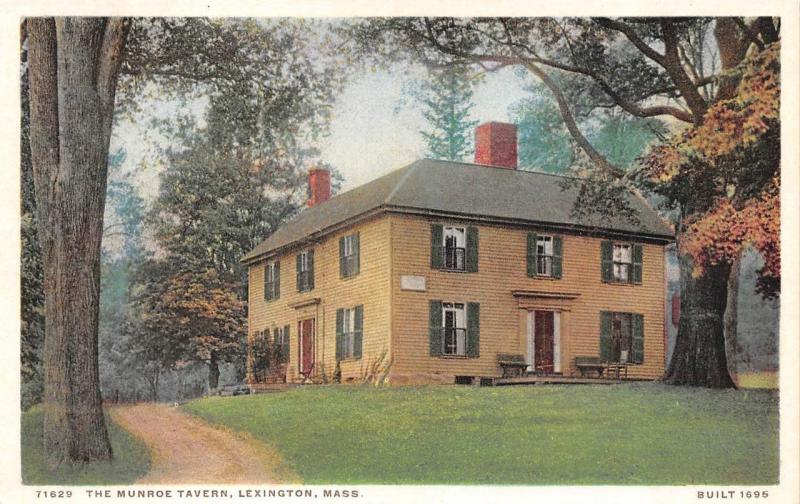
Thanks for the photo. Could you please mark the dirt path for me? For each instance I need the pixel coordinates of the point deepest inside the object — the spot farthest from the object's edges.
(184, 449)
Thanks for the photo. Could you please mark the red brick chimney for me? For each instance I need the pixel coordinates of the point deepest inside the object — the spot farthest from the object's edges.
(319, 186)
(496, 145)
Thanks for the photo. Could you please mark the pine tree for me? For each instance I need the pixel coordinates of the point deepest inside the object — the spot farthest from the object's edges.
(447, 102)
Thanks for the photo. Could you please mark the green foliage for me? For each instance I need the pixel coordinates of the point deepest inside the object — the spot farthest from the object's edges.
(597, 435)
(623, 139)
(446, 101)
(543, 141)
(131, 458)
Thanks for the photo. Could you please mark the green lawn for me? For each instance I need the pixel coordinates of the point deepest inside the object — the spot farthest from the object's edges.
(131, 458)
(540, 435)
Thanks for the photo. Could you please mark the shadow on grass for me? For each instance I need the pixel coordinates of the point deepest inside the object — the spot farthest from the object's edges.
(131, 458)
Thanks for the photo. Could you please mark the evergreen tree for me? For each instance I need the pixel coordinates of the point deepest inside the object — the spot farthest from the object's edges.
(447, 101)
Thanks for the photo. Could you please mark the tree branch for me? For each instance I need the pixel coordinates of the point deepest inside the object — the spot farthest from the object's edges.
(640, 44)
(111, 49)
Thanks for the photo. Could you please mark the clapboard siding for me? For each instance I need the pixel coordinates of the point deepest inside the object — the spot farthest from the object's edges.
(502, 269)
(370, 288)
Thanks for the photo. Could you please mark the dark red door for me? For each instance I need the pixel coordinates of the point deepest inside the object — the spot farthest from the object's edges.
(306, 331)
(543, 341)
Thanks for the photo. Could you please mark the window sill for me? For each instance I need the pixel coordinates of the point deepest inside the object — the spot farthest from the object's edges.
(450, 270)
(349, 359)
(544, 277)
(620, 282)
(342, 277)
(453, 357)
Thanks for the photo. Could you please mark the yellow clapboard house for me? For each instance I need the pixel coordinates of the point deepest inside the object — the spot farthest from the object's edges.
(439, 270)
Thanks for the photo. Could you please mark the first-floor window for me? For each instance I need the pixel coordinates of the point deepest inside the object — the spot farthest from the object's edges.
(348, 332)
(454, 337)
(622, 337)
(281, 343)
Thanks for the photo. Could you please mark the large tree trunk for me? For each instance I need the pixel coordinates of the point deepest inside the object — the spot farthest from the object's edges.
(73, 67)
(732, 317)
(213, 372)
(699, 355)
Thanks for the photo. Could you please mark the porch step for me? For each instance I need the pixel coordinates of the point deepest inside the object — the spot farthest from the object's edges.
(553, 379)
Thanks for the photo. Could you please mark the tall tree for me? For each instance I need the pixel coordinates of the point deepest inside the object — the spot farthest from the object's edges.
(646, 67)
(74, 67)
(446, 100)
(544, 143)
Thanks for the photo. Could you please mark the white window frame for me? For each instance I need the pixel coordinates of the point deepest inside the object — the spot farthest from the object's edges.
(304, 261)
(348, 255)
(459, 310)
(348, 332)
(622, 267)
(546, 243)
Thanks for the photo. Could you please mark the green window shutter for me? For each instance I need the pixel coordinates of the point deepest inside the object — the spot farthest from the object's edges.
(605, 335)
(557, 256)
(473, 329)
(356, 254)
(637, 340)
(435, 327)
(339, 329)
(472, 249)
(638, 256)
(359, 331)
(311, 269)
(285, 347)
(437, 252)
(532, 254)
(266, 281)
(606, 260)
(341, 257)
(299, 267)
(277, 279)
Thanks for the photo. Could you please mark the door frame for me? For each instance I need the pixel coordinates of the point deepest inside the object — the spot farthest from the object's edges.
(530, 350)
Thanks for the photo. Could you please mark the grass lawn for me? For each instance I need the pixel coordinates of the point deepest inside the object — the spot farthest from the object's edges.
(542, 435)
(759, 380)
(131, 458)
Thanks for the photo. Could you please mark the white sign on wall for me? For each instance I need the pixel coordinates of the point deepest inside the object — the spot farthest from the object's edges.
(412, 283)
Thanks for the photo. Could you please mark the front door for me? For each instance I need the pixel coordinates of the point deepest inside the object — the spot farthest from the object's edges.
(306, 331)
(543, 341)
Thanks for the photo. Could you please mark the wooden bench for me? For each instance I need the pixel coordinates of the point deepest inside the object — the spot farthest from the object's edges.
(586, 364)
(512, 364)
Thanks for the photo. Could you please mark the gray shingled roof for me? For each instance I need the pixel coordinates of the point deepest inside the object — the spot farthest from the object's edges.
(444, 187)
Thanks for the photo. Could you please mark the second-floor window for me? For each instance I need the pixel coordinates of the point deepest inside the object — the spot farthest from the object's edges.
(454, 248)
(544, 255)
(454, 244)
(272, 280)
(621, 262)
(349, 255)
(305, 271)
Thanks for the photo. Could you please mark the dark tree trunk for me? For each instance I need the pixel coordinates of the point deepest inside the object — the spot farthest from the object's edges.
(73, 67)
(213, 372)
(732, 317)
(699, 355)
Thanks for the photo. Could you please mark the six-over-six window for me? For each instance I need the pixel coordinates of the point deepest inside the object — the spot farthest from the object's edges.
(305, 270)
(349, 332)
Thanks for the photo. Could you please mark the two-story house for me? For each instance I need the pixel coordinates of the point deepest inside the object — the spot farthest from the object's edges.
(444, 265)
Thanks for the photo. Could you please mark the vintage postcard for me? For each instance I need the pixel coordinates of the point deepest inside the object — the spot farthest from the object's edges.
(337, 252)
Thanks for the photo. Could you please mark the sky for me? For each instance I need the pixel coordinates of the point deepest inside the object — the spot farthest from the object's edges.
(370, 138)
(369, 134)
